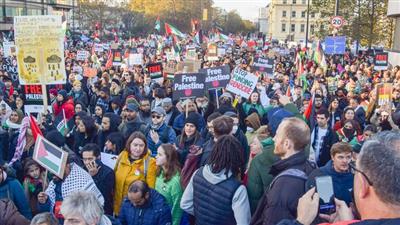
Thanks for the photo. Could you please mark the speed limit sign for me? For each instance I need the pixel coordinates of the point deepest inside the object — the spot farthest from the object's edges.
(337, 21)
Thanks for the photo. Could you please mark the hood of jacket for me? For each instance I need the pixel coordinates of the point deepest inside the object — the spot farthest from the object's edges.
(215, 178)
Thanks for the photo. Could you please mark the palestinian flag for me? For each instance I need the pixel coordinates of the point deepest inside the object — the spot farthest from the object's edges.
(109, 59)
(169, 29)
(36, 132)
(223, 37)
(308, 110)
(50, 156)
(62, 127)
(157, 26)
(170, 76)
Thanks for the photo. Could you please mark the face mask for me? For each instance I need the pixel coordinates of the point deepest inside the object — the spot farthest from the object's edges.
(250, 129)
(234, 129)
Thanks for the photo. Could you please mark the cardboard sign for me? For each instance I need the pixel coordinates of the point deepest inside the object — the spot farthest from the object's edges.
(117, 58)
(135, 59)
(217, 77)
(109, 159)
(381, 61)
(34, 98)
(264, 65)
(89, 72)
(188, 85)
(82, 55)
(384, 93)
(191, 54)
(10, 66)
(50, 156)
(242, 83)
(41, 56)
(170, 70)
(189, 66)
(8, 48)
(155, 70)
(212, 54)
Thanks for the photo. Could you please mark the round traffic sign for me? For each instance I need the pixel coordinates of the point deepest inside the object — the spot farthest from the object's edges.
(337, 21)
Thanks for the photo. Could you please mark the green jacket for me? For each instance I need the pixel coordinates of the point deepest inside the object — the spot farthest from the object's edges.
(258, 175)
(260, 109)
(172, 191)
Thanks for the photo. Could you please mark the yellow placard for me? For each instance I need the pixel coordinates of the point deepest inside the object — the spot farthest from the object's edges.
(39, 44)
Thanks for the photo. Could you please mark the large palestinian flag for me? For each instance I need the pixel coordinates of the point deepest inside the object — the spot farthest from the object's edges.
(50, 156)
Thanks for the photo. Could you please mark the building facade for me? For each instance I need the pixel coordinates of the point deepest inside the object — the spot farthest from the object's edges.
(11, 8)
(288, 20)
(263, 16)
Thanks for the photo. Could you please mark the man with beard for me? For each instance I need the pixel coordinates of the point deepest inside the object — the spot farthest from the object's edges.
(318, 104)
(131, 121)
(104, 99)
(144, 113)
(158, 133)
(75, 178)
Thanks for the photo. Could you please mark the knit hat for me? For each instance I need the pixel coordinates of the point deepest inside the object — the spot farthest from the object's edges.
(63, 93)
(132, 107)
(194, 119)
(159, 110)
(116, 81)
(254, 121)
(275, 117)
(53, 91)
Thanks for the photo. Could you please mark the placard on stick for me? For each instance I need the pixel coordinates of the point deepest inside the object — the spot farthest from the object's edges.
(217, 77)
(384, 93)
(242, 83)
(188, 85)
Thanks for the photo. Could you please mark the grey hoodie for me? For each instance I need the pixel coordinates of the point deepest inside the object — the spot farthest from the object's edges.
(240, 201)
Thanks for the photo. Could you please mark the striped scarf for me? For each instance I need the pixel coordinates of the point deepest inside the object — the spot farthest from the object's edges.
(21, 141)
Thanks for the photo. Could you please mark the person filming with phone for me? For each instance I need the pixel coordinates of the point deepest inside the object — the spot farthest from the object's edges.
(376, 188)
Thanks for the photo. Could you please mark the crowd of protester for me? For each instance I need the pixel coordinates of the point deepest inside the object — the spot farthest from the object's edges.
(241, 161)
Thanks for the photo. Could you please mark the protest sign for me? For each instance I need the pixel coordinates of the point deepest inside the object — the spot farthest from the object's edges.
(155, 70)
(135, 59)
(189, 66)
(381, 61)
(170, 70)
(212, 54)
(89, 72)
(10, 66)
(33, 102)
(217, 77)
(242, 82)
(191, 54)
(221, 52)
(332, 84)
(335, 45)
(264, 65)
(384, 93)
(188, 85)
(98, 47)
(82, 55)
(8, 48)
(117, 57)
(41, 56)
(50, 156)
(109, 159)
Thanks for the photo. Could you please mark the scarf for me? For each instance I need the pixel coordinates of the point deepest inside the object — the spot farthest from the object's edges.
(21, 141)
(77, 180)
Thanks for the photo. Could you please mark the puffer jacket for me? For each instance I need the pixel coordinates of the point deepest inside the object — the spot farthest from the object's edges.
(9, 214)
(127, 172)
(68, 107)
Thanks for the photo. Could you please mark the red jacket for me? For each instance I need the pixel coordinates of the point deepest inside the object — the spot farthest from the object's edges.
(68, 107)
(341, 222)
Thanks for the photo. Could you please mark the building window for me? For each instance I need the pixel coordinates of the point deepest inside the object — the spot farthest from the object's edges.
(284, 13)
(294, 1)
(283, 27)
(284, 1)
(293, 28)
(302, 28)
(303, 2)
(312, 14)
(303, 14)
(14, 11)
(312, 28)
(293, 14)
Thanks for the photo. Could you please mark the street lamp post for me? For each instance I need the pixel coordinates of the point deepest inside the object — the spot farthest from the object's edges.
(308, 21)
(337, 8)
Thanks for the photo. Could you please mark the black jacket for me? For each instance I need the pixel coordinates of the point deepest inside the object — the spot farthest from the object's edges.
(105, 180)
(325, 151)
(280, 201)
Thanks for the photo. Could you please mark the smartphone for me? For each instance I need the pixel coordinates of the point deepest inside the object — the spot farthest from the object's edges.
(326, 196)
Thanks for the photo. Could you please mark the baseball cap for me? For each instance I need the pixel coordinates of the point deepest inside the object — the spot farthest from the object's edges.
(159, 110)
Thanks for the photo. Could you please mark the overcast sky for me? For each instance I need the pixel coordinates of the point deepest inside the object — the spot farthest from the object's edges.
(248, 9)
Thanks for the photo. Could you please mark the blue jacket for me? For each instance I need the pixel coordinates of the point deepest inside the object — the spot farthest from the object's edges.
(179, 122)
(155, 212)
(342, 182)
(12, 189)
(169, 137)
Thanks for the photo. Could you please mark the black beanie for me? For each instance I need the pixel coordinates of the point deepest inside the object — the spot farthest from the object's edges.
(194, 119)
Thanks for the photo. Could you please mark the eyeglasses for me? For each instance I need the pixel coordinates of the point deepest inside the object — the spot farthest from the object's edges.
(353, 170)
(156, 116)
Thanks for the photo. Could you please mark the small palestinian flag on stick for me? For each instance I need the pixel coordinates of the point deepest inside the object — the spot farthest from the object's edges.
(50, 156)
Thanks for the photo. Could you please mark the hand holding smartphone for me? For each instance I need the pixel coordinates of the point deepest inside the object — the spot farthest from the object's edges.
(326, 195)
